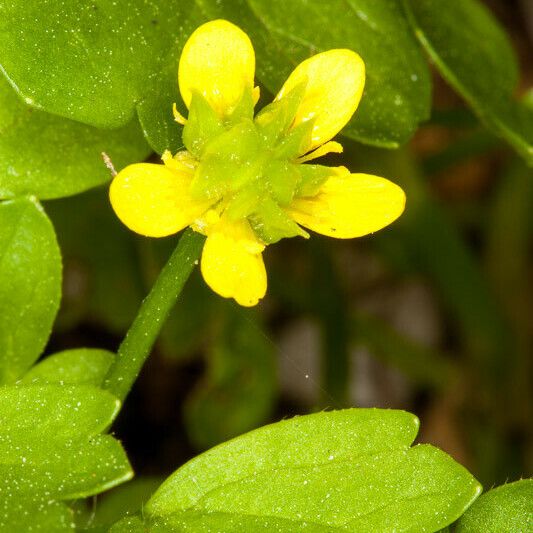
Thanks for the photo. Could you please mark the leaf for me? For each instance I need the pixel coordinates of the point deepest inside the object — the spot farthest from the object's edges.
(24, 514)
(90, 62)
(505, 509)
(51, 450)
(49, 156)
(219, 407)
(397, 91)
(82, 366)
(473, 53)
(350, 470)
(30, 285)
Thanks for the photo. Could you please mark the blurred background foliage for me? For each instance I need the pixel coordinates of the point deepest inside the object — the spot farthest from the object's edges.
(430, 315)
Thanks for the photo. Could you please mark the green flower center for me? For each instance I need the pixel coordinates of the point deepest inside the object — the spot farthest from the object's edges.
(249, 167)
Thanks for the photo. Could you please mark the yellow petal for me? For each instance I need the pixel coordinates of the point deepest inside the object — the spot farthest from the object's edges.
(326, 148)
(350, 205)
(232, 263)
(153, 200)
(334, 84)
(218, 61)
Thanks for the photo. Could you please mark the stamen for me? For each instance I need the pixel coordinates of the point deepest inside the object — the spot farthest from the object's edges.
(178, 117)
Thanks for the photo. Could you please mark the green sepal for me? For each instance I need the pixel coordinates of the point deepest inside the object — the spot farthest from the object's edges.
(274, 120)
(244, 203)
(282, 178)
(244, 110)
(271, 223)
(210, 180)
(229, 162)
(203, 125)
(312, 177)
(296, 142)
(241, 143)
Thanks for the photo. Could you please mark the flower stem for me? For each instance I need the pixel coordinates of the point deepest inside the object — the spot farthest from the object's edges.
(140, 338)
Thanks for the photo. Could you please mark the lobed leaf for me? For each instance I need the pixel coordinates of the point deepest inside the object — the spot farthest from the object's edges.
(51, 450)
(350, 470)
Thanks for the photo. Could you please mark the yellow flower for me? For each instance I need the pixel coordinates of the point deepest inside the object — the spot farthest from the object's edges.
(245, 182)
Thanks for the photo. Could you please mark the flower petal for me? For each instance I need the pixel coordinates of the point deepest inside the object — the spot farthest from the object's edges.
(334, 84)
(232, 263)
(350, 205)
(218, 61)
(153, 200)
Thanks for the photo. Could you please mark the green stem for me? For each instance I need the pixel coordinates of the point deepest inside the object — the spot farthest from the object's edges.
(138, 343)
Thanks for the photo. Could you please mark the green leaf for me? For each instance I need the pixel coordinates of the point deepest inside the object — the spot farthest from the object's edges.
(474, 55)
(505, 509)
(82, 366)
(219, 407)
(24, 514)
(397, 92)
(49, 156)
(350, 470)
(91, 62)
(202, 522)
(30, 285)
(51, 450)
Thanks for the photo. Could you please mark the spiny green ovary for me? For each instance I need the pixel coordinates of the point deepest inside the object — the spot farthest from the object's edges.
(248, 167)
